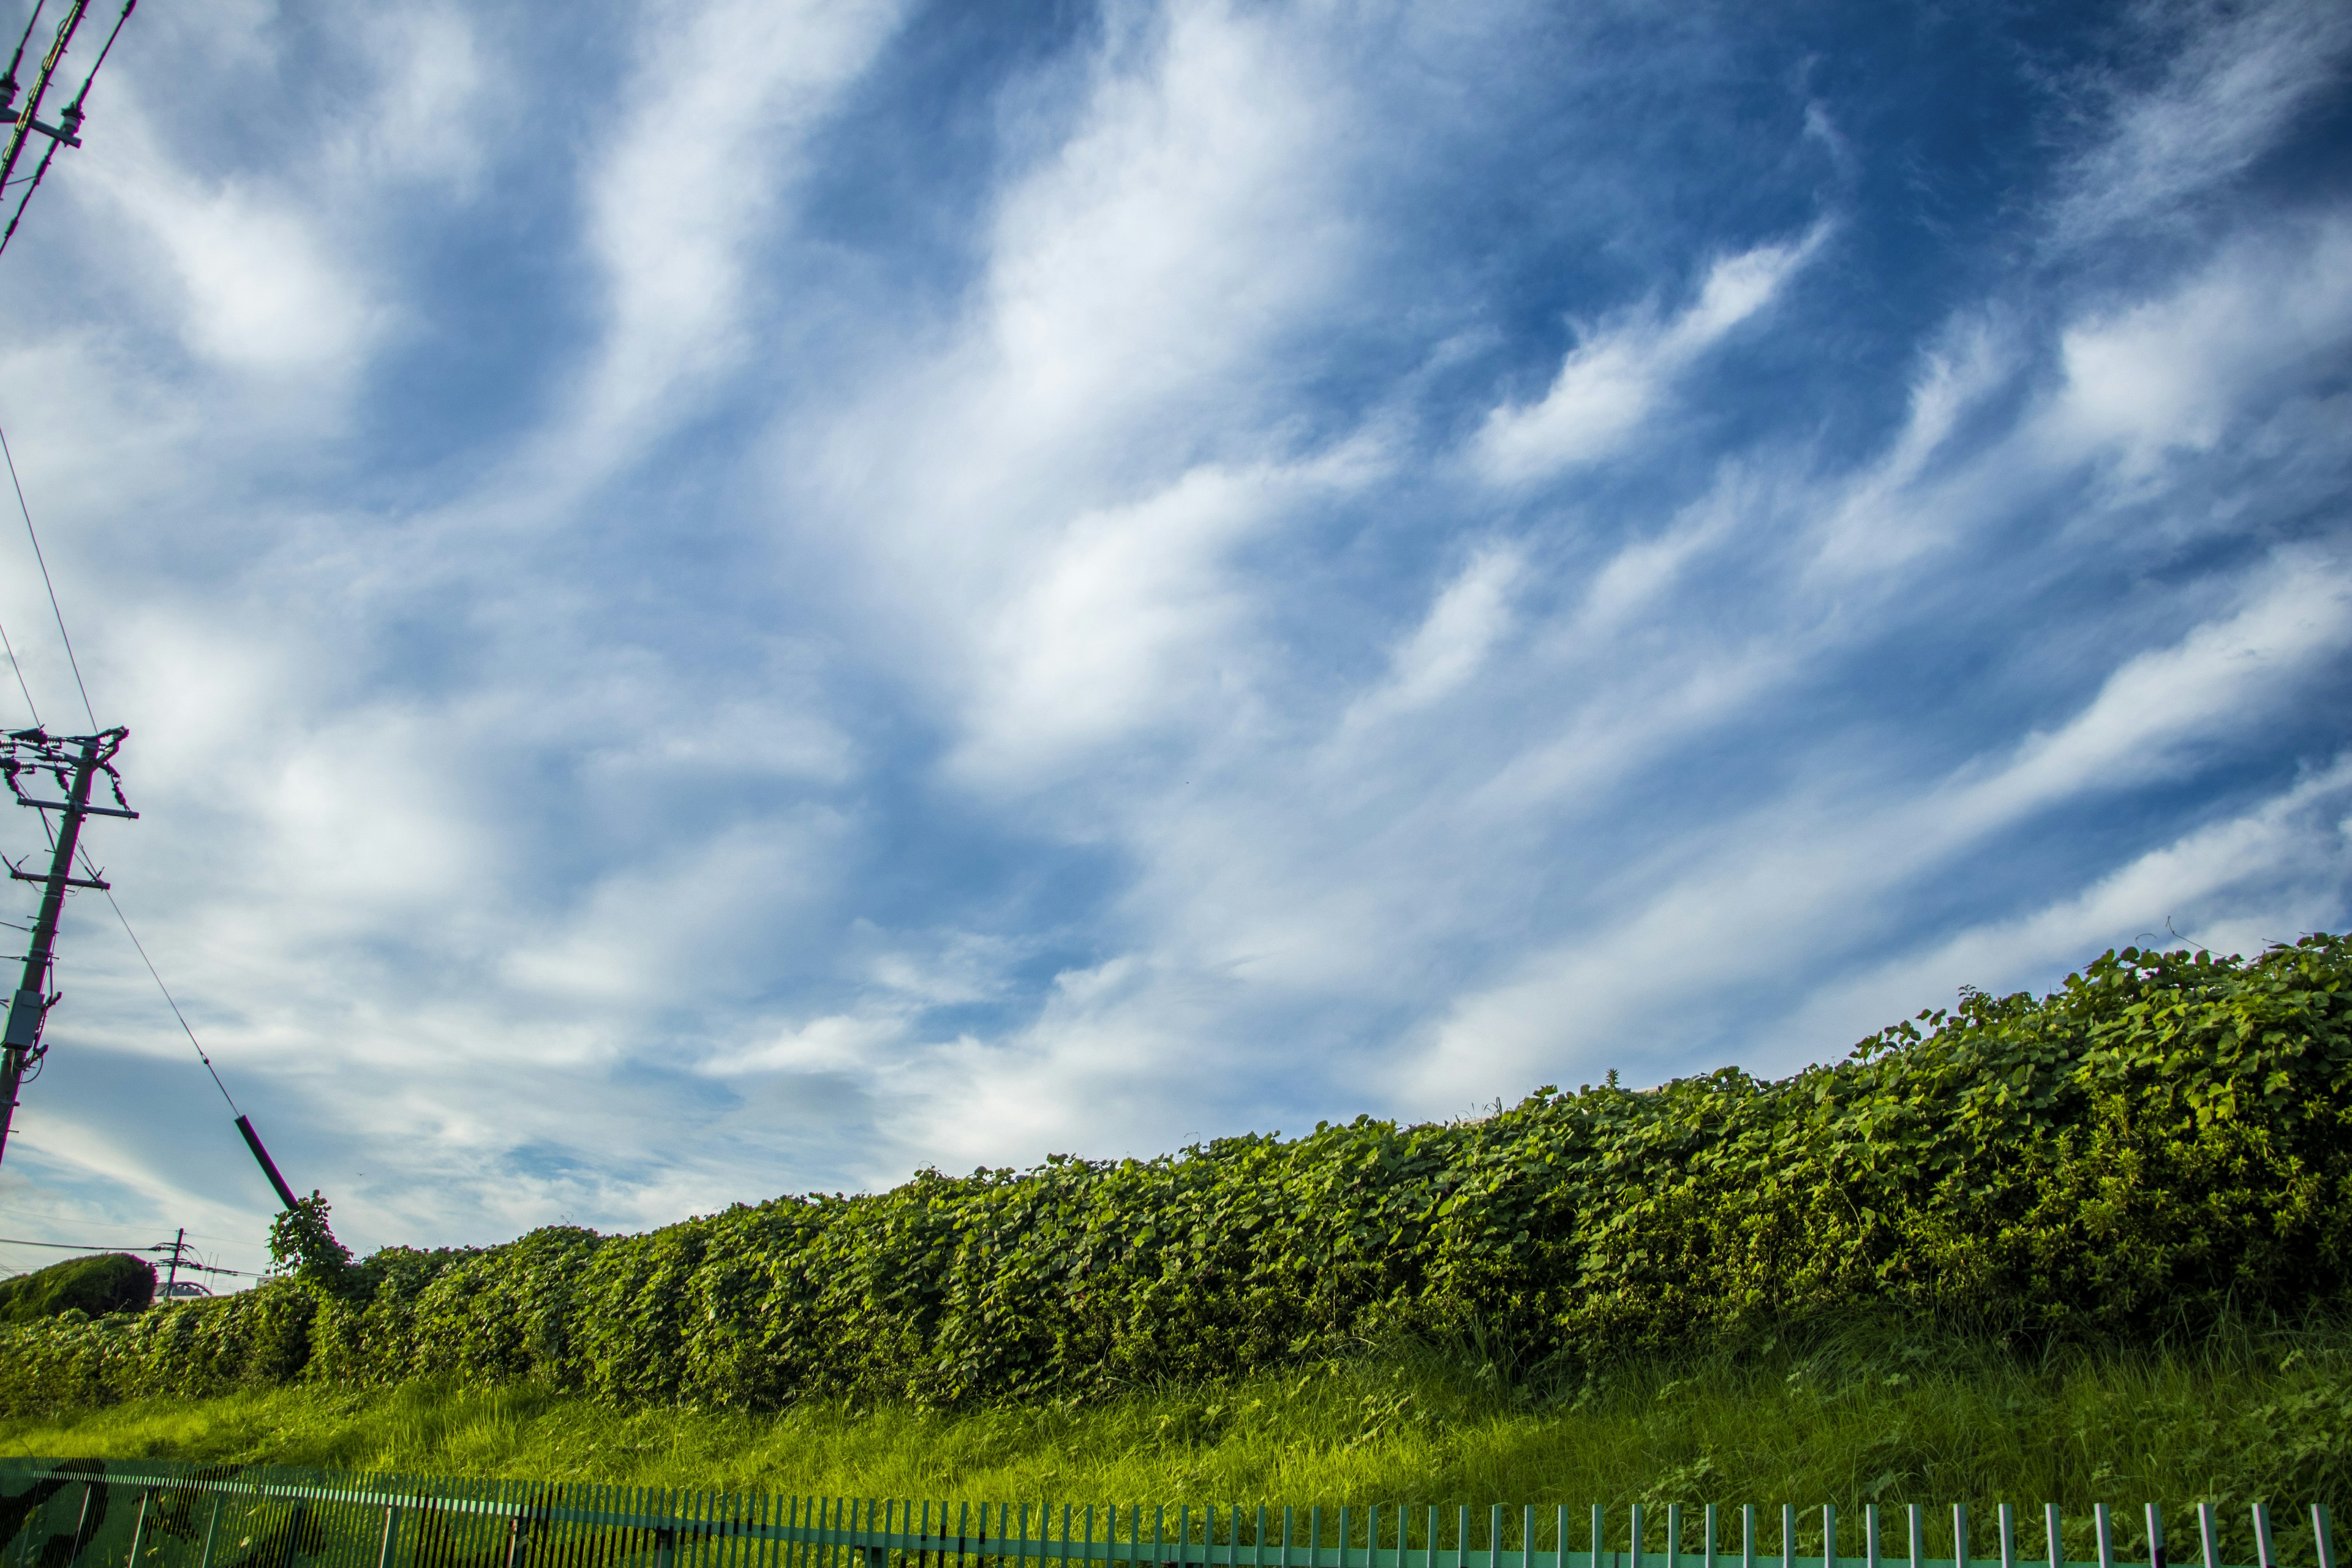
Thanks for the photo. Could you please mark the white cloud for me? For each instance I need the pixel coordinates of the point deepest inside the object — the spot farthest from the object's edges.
(711, 137)
(1889, 512)
(1189, 219)
(262, 288)
(2224, 675)
(2269, 874)
(1119, 624)
(1807, 876)
(1613, 379)
(2234, 84)
(1448, 648)
(2171, 372)
(432, 116)
(842, 1042)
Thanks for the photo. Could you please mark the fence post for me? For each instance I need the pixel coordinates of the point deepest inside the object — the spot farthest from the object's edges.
(1710, 1535)
(82, 1524)
(1870, 1535)
(2052, 1536)
(1916, 1518)
(2323, 1538)
(2107, 1532)
(1673, 1535)
(2263, 1557)
(1961, 1535)
(391, 1535)
(1788, 1535)
(1829, 1535)
(2007, 1520)
(211, 1531)
(2155, 1537)
(139, 1526)
(1634, 1544)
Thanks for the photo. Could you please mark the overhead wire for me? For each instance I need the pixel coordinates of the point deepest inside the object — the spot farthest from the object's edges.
(67, 637)
(31, 23)
(30, 705)
(81, 1223)
(160, 1246)
(41, 172)
(30, 532)
(69, 120)
(105, 49)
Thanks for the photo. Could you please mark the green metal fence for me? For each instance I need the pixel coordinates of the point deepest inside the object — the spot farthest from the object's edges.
(93, 1514)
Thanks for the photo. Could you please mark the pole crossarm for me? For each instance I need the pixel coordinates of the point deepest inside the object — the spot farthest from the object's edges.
(17, 874)
(67, 806)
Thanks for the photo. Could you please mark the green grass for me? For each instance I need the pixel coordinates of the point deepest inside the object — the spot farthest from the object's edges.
(1884, 1413)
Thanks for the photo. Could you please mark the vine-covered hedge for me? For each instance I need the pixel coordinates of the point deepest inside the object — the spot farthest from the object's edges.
(2165, 1136)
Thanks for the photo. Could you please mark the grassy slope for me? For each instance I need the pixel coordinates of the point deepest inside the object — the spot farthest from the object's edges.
(1867, 1412)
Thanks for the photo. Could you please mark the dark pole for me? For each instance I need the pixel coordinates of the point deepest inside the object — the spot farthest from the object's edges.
(31, 1001)
(268, 1166)
(20, 1042)
(173, 1277)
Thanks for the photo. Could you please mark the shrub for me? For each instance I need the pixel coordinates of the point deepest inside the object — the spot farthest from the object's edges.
(109, 1282)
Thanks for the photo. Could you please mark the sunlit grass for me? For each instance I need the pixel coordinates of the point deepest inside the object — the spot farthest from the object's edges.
(1883, 1413)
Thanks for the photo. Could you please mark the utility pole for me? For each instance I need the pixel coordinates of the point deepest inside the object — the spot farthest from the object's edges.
(171, 1278)
(74, 761)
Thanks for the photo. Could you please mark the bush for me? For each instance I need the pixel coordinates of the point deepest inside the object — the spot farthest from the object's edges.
(2160, 1142)
(109, 1282)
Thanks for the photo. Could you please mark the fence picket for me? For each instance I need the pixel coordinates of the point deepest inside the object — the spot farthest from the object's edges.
(140, 1514)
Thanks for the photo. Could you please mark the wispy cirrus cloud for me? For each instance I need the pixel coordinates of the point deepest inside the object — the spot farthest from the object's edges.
(1615, 378)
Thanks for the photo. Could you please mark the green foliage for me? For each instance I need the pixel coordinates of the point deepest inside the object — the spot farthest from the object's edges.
(108, 1282)
(302, 1244)
(2163, 1139)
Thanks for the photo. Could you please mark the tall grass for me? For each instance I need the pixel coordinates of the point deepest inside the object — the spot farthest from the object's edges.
(1853, 1412)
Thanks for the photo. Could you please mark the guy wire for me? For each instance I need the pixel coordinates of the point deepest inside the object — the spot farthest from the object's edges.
(168, 1001)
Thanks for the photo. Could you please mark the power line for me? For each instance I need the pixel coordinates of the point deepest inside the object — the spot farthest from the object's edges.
(66, 132)
(30, 534)
(245, 1242)
(164, 1246)
(29, 705)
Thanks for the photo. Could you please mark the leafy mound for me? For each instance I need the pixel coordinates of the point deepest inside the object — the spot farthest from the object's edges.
(108, 1282)
(2162, 1139)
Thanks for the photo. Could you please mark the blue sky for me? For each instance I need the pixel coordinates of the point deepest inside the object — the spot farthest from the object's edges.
(720, 599)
